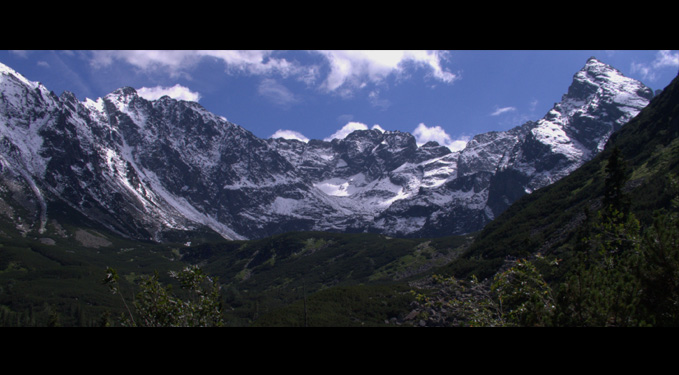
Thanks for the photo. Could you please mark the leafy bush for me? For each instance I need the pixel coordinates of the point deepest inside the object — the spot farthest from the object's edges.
(156, 306)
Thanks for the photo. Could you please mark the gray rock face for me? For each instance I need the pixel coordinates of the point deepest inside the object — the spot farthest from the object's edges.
(146, 168)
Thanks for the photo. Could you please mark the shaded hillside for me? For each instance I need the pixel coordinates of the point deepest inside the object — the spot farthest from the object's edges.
(260, 277)
(547, 221)
(55, 280)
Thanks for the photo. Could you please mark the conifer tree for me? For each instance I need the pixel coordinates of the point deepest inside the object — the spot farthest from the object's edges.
(615, 199)
(603, 289)
(659, 266)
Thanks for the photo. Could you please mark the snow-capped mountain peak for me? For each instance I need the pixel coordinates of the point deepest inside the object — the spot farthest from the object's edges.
(146, 168)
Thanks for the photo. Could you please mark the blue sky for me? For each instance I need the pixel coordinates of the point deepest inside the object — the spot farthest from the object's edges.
(447, 96)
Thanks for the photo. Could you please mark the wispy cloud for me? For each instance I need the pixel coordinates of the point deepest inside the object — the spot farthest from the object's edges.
(347, 70)
(262, 63)
(178, 63)
(171, 62)
(377, 102)
(177, 92)
(502, 110)
(663, 59)
(20, 52)
(666, 59)
(533, 105)
(424, 134)
(277, 93)
(512, 116)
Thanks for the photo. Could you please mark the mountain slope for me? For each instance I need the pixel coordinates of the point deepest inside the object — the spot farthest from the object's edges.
(400, 189)
(547, 220)
(166, 169)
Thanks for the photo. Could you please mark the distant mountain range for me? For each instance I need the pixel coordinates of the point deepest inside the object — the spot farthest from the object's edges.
(163, 169)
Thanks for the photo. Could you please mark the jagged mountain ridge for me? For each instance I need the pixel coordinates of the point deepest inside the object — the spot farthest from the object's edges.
(433, 192)
(143, 168)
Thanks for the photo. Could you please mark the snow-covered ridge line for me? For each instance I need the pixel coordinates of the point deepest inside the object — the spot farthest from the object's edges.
(9, 72)
(147, 167)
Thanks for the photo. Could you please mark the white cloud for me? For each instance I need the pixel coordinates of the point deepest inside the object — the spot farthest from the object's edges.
(458, 144)
(176, 92)
(500, 111)
(356, 68)
(262, 62)
(178, 62)
(173, 61)
(346, 130)
(20, 52)
(378, 128)
(666, 59)
(377, 102)
(663, 59)
(351, 127)
(289, 134)
(644, 70)
(533, 105)
(348, 69)
(276, 93)
(424, 134)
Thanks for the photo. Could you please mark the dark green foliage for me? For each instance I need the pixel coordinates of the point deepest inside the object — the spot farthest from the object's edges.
(45, 282)
(625, 275)
(350, 306)
(629, 174)
(473, 267)
(614, 197)
(449, 301)
(604, 289)
(268, 274)
(622, 276)
(525, 299)
(59, 282)
(157, 306)
(517, 296)
(659, 268)
(608, 225)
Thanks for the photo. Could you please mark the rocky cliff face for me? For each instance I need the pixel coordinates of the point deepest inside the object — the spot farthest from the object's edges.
(145, 168)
